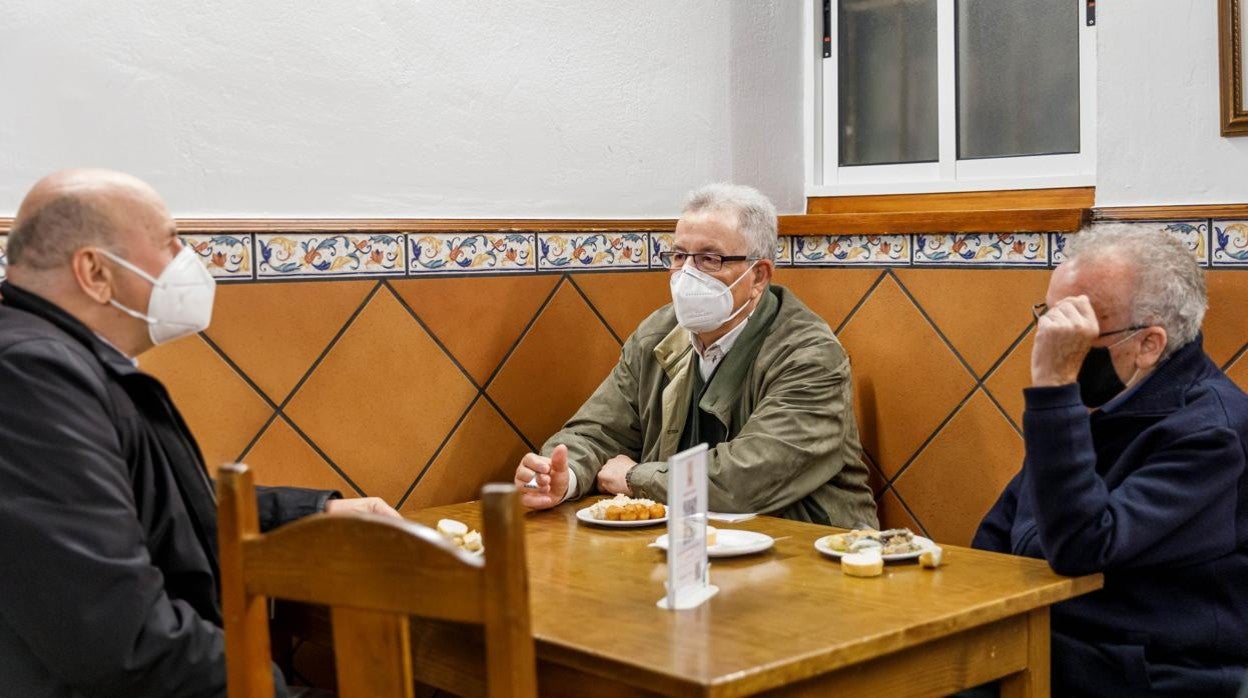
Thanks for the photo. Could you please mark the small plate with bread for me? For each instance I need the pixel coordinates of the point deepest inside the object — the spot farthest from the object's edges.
(893, 544)
(727, 542)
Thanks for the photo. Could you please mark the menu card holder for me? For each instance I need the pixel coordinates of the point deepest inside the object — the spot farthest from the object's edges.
(687, 569)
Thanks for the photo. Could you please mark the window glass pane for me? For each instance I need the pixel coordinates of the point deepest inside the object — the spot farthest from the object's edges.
(887, 75)
(1018, 77)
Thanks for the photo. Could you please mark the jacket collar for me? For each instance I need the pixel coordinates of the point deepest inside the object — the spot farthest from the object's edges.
(674, 353)
(20, 299)
(1166, 387)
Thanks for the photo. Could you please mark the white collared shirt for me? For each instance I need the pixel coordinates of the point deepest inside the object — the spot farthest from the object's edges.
(711, 357)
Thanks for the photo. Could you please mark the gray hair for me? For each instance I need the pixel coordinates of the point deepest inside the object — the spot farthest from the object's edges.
(756, 215)
(49, 238)
(1170, 285)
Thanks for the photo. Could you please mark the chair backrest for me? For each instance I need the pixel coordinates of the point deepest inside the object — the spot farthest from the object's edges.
(373, 572)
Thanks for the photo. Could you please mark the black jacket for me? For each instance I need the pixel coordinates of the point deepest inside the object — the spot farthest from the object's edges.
(108, 565)
(1151, 491)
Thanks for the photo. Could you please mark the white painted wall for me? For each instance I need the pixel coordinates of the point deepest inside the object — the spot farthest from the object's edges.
(1158, 122)
(596, 108)
(592, 108)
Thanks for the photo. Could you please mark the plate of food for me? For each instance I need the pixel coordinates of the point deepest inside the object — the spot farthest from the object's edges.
(892, 544)
(623, 512)
(727, 542)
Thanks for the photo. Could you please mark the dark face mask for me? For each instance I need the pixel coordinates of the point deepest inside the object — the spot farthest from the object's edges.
(1098, 381)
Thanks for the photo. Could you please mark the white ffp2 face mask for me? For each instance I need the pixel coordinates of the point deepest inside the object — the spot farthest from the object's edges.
(181, 302)
(701, 301)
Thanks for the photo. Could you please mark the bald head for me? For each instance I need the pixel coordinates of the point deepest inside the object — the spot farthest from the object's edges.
(72, 209)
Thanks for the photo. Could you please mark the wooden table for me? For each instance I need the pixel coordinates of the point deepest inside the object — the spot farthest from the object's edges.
(785, 621)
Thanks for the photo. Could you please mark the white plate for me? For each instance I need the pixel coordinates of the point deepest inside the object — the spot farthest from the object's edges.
(584, 516)
(924, 543)
(729, 542)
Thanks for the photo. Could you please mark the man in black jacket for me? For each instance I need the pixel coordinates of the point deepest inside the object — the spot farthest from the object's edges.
(1136, 449)
(108, 563)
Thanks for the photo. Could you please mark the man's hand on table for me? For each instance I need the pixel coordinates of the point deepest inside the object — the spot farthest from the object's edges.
(360, 505)
(1063, 336)
(552, 478)
(613, 476)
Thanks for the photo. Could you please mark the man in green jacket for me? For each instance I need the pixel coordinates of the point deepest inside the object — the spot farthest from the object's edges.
(734, 362)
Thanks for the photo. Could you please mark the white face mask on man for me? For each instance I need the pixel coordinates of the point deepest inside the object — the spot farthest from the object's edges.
(701, 301)
(181, 302)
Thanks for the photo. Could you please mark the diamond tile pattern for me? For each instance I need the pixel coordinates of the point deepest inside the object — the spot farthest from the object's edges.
(907, 381)
(420, 390)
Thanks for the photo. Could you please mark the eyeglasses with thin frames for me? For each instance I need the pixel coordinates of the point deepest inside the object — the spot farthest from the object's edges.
(1039, 309)
(702, 261)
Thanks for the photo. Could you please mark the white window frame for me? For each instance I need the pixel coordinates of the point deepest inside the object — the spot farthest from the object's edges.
(825, 178)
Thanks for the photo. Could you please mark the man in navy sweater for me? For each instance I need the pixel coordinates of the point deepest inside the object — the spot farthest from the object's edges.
(1135, 463)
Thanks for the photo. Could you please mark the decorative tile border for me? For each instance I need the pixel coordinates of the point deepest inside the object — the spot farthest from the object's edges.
(1229, 248)
(1194, 233)
(245, 256)
(1015, 249)
(282, 255)
(836, 250)
(225, 256)
(4, 255)
(784, 252)
(1057, 248)
(441, 253)
(659, 243)
(613, 250)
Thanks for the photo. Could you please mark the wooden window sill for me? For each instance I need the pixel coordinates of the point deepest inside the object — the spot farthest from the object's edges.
(1019, 211)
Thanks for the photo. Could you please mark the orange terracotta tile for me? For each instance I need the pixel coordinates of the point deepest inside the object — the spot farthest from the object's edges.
(980, 311)
(483, 449)
(625, 299)
(477, 318)
(282, 458)
(875, 478)
(383, 400)
(559, 363)
(906, 380)
(1224, 326)
(1239, 372)
(222, 411)
(831, 293)
(1007, 382)
(275, 331)
(894, 515)
(960, 474)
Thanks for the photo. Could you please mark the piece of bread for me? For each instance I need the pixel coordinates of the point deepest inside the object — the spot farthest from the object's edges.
(931, 557)
(712, 536)
(452, 528)
(868, 563)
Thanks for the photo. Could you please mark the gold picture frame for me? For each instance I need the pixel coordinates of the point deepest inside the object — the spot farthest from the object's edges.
(1231, 68)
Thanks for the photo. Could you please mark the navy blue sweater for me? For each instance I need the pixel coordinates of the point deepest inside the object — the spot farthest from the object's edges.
(1151, 492)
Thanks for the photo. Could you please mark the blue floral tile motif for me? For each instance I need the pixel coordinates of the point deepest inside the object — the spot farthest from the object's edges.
(611, 250)
(1057, 245)
(1230, 243)
(784, 251)
(225, 256)
(4, 255)
(1022, 249)
(442, 253)
(1194, 233)
(345, 254)
(660, 243)
(851, 249)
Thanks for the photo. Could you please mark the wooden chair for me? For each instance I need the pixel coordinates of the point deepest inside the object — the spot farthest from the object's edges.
(373, 572)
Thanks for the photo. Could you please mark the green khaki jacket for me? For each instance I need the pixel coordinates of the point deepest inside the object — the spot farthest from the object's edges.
(792, 447)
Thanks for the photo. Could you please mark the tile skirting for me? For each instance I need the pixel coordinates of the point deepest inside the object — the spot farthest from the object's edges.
(263, 256)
